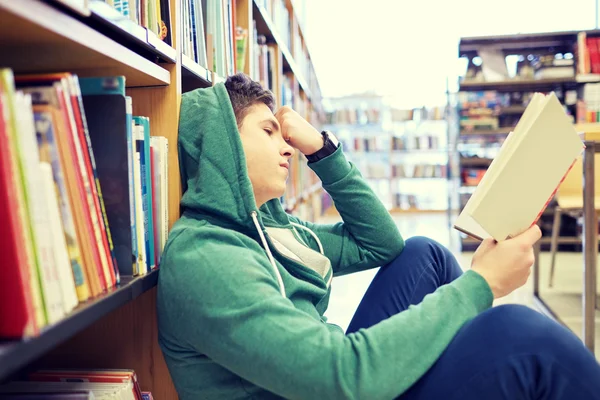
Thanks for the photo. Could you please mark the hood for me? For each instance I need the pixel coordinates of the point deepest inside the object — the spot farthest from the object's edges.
(214, 177)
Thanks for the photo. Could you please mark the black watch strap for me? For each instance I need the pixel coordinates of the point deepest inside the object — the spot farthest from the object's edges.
(329, 147)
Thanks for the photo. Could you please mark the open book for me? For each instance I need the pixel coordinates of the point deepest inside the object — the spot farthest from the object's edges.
(524, 176)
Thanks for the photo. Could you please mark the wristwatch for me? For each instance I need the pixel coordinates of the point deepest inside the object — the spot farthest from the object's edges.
(330, 145)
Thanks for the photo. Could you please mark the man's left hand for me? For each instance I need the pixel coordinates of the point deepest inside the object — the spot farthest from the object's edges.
(298, 132)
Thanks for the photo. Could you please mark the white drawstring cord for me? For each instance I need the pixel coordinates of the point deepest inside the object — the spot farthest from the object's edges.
(312, 234)
(268, 250)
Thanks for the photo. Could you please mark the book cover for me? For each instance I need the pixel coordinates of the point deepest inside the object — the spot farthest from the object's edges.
(525, 174)
(106, 113)
(17, 311)
(7, 89)
(44, 125)
(37, 207)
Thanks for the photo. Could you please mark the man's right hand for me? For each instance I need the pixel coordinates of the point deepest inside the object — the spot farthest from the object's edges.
(506, 265)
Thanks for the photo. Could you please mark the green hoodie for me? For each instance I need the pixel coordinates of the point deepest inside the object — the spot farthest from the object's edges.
(241, 316)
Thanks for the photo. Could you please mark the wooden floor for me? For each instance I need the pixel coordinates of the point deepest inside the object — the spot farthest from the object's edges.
(564, 298)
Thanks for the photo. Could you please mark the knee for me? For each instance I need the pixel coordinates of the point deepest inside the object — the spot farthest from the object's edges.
(423, 250)
(423, 245)
(519, 329)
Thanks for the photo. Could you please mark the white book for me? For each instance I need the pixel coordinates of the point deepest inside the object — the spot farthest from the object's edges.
(38, 209)
(59, 244)
(164, 205)
(524, 176)
(156, 181)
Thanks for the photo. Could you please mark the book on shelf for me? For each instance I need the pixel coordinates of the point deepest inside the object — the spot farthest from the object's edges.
(523, 178)
(62, 141)
(219, 34)
(152, 17)
(121, 384)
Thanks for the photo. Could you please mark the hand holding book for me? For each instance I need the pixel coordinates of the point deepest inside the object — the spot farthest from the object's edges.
(506, 265)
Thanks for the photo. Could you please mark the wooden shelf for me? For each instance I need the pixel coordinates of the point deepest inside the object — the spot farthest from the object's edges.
(486, 132)
(526, 84)
(193, 75)
(16, 354)
(36, 37)
(266, 27)
(512, 110)
(475, 162)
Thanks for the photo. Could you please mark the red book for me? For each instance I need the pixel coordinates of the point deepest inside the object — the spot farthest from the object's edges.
(17, 314)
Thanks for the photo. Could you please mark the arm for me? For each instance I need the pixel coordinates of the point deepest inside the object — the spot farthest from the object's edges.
(368, 236)
(230, 309)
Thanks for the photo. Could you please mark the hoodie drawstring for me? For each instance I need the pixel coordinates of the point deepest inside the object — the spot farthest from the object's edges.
(268, 250)
(311, 233)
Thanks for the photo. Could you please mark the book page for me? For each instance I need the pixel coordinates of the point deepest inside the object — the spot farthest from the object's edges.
(468, 225)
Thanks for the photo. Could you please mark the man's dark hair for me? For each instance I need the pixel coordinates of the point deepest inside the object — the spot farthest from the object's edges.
(244, 93)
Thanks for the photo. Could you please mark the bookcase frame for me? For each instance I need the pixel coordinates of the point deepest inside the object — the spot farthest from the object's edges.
(117, 329)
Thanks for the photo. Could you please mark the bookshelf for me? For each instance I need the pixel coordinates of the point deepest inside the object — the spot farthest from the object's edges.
(117, 329)
(502, 74)
(403, 154)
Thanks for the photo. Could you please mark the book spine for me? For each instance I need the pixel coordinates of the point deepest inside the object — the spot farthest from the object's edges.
(154, 159)
(130, 169)
(150, 194)
(139, 215)
(165, 192)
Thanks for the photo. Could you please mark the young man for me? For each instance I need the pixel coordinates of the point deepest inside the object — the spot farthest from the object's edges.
(243, 286)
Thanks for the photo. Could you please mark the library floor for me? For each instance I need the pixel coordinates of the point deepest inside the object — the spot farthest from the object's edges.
(564, 298)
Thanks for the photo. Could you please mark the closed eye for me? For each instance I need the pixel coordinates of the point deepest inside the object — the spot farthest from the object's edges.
(269, 131)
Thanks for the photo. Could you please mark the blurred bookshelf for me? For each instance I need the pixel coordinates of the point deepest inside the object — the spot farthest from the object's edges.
(502, 74)
(278, 58)
(403, 153)
(177, 47)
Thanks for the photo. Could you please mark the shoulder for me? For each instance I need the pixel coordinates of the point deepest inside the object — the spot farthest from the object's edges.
(197, 252)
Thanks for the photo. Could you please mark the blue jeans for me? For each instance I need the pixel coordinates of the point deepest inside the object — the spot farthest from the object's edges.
(507, 352)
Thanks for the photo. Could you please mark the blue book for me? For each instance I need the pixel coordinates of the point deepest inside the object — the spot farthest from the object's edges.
(146, 178)
(106, 114)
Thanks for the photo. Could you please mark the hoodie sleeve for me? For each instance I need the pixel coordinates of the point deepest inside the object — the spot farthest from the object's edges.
(229, 308)
(367, 237)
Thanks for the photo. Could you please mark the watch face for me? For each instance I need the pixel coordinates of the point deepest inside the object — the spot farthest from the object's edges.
(333, 139)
